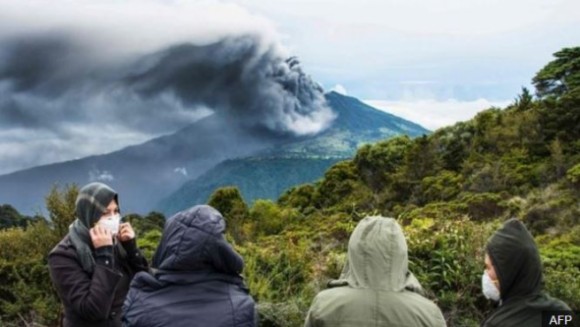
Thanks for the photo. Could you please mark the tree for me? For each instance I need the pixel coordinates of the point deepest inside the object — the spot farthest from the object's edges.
(376, 163)
(142, 225)
(421, 159)
(10, 217)
(558, 85)
(229, 202)
(61, 207)
(559, 76)
(300, 197)
(573, 175)
(524, 101)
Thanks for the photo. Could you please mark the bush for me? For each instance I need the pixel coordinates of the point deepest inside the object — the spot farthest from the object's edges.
(148, 243)
(562, 283)
(229, 202)
(26, 293)
(483, 206)
(561, 259)
(573, 175)
(444, 186)
(447, 258)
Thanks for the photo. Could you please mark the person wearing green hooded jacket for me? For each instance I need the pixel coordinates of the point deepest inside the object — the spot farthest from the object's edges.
(376, 287)
(513, 278)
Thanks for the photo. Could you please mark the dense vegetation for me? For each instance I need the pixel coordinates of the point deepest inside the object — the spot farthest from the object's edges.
(449, 190)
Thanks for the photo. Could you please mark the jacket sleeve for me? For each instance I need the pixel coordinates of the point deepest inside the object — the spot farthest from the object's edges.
(130, 314)
(135, 257)
(439, 319)
(309, 321)
(90, 297)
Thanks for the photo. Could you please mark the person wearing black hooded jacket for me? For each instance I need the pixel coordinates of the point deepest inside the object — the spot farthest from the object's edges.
(196, 279)
(513, 277)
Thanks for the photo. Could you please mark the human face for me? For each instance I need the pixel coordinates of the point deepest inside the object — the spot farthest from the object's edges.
(110, 220)
(490, 269)
(112, 209)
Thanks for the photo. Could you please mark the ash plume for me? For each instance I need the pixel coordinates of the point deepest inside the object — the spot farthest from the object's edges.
(60, 86)
(240, 78)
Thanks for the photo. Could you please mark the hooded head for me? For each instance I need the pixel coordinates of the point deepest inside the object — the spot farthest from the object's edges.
(193, 240)
(516, 260)
(377, 257)
(92, 202)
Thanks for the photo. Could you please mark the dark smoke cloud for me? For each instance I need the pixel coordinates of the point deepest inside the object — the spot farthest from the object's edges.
(40, 64)
(253, 85)
(72, 89)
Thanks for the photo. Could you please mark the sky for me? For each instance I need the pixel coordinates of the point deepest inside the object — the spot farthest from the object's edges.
(432, 62)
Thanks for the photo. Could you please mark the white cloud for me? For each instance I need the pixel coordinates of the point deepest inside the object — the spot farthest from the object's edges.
(433, 114)
(181, 170)
(371, 45)
(23, 148)
(338, 88)
(133, 26)
(96, 175)
(345, 18)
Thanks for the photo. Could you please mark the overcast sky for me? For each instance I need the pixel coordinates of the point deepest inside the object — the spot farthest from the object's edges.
(433, 62)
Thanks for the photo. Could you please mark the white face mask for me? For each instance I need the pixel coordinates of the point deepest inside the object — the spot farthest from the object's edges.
(111, 223)
(489, 289)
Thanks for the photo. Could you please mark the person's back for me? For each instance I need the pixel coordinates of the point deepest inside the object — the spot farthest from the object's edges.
(517, 270)
(197, 281)
(376, 288)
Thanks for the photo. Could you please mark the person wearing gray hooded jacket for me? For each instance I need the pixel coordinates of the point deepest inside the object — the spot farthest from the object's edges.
(376, 287)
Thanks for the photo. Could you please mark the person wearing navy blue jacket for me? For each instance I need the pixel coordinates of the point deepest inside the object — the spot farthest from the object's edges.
(196, 278)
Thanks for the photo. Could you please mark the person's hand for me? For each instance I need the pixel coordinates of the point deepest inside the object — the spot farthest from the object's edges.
(101, 236)
(126, 232)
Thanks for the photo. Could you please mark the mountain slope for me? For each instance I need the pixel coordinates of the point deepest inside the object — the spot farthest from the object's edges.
(142, 174)
(257, 178)
(145, 173)
(267, 174)
(356, 124)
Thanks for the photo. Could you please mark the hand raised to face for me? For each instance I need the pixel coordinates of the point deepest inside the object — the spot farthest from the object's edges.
(100, 236)
(126, 232)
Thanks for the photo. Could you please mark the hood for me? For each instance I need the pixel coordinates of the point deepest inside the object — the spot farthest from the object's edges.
(193, 240)
(516, 259)
(377, 257)
(92, 202)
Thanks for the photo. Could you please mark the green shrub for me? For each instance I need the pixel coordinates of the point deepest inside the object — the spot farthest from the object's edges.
(573, 175)
(26, 293)
(444, 186)
(483, 206)
(148, 243)
(562, 283)
(447, 258)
